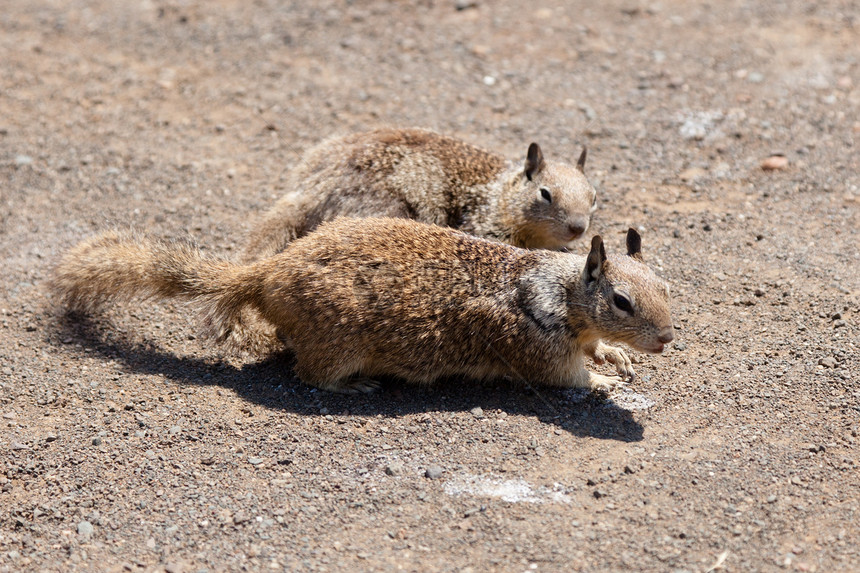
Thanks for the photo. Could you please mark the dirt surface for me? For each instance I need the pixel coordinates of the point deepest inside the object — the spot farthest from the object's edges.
(128, 443)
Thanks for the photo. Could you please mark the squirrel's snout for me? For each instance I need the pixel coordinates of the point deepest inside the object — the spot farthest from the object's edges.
(577, 228)
(666, 335)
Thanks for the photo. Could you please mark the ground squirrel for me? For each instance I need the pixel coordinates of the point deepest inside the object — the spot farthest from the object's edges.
(358, 299)
(418, 174)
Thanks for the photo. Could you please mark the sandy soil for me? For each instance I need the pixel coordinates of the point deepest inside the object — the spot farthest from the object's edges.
(130, 444)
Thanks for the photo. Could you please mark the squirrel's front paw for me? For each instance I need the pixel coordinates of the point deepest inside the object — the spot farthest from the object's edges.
(605, 384)
(616, 356)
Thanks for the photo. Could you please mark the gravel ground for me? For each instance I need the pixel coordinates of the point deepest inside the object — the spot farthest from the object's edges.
(725, 131)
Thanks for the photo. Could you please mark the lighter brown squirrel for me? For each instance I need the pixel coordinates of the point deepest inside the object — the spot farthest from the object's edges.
(363, 298)
(422, 175)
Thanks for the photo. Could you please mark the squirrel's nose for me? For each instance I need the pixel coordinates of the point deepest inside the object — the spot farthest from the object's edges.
(666, 335)
(577, 228)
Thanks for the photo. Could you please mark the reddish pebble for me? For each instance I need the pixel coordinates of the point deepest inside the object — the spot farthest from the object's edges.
(774, 162)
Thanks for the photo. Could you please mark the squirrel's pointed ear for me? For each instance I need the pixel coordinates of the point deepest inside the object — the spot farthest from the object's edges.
(580, 164)
(534, 161)
(595, 260)
(634, 244)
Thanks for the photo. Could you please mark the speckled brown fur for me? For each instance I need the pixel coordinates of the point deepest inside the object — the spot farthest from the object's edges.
(392, 297)
(422, 175)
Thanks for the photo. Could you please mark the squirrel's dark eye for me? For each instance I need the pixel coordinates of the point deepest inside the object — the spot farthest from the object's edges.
(544, 192)
(622, 303)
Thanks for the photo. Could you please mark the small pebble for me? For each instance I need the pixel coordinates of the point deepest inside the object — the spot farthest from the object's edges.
(255, 461)
(774, 162)
(51, 438)
(85, 529)
(692, 173)
(173, 430)
(433, 472)
(394, 468)
(19, 446)
(828, 362)
(478, 412)
(23, 160)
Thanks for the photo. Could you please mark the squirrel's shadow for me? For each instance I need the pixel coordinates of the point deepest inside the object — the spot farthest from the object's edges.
(270, 382)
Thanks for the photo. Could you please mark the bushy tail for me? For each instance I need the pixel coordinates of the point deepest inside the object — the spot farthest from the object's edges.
(116, 266)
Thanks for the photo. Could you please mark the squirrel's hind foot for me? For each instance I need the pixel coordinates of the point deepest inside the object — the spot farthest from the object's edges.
(354, 385)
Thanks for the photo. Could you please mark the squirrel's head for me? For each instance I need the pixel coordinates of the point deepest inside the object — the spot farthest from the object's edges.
(557, 201)
(631, 303)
